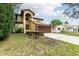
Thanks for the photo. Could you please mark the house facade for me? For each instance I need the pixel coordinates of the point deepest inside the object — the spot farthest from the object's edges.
(29, 23)
(58, 28)
(69, 28)
(73, 28)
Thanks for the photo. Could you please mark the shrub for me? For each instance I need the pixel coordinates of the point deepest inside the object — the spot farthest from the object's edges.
(62, 31)
(19, 30)
(6, 20)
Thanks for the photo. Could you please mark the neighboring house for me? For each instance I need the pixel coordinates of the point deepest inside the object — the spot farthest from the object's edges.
(69, 28)
(58, 28)
(73, 28)
(29, 23)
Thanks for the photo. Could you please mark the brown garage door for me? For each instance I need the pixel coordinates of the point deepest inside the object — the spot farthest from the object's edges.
(44, 28)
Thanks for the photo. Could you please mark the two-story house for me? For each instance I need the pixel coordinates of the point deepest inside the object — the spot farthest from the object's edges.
(29, 23)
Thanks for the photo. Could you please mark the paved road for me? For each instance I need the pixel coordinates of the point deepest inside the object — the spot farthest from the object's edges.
(66, 38)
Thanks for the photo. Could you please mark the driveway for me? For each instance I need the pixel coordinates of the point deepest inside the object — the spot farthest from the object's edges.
(66, 38)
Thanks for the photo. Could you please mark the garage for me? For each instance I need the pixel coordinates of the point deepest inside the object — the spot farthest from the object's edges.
(44, 28)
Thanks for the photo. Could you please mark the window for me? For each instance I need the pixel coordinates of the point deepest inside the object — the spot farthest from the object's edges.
(53, 28)
(78, 29)
(27, 27)
(62, 28)
(27, 19)
(58, 28)
(28, 15)
(74, 30)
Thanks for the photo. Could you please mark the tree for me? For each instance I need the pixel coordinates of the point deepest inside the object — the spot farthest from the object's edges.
(6, 20)
(55, 22)
(72, 10)
(66, 22)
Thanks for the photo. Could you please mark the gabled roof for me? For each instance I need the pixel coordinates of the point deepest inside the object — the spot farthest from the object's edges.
(18, 14)
(22, 11)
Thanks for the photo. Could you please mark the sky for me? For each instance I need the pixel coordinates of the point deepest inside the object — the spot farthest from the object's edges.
(47, 12)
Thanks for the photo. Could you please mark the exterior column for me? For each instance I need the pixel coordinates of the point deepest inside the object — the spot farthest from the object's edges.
(24, 23)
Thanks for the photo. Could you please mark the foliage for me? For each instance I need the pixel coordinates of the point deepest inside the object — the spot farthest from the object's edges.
(66, 22)
(56, 22)
(6, 20)
(19, 30)
(72, 10)
(62, 31)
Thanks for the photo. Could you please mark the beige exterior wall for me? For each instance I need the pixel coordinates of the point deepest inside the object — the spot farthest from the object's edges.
(19, 19)
(24, 22)
(32, 26)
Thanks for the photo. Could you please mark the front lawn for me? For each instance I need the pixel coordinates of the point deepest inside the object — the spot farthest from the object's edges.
(24, 45)
(70, 33)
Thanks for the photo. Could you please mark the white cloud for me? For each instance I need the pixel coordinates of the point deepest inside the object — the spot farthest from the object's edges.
(48, 9)
(58, 13)
(41, 9)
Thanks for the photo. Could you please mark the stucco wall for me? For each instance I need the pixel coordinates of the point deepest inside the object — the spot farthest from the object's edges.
(19, 18)
(32, 26)
(55, 29)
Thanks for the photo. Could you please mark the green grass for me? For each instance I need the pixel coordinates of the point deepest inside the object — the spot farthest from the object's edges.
(70, 33)
(24, 45)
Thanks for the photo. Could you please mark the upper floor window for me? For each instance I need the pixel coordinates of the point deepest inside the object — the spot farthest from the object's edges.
(27, 19)
(28, 15)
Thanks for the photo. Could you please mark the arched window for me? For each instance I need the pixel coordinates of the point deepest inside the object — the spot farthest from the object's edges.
(28, 15)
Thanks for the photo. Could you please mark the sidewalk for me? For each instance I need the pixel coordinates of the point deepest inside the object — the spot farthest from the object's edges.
(66, 38)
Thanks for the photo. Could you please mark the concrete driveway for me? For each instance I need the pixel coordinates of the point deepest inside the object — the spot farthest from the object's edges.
(66, 38)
